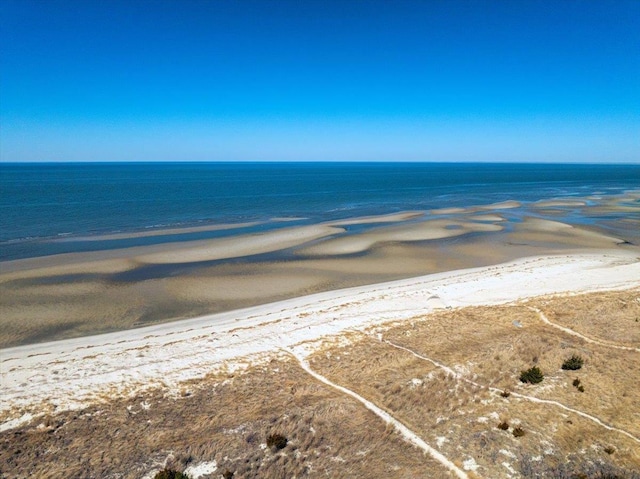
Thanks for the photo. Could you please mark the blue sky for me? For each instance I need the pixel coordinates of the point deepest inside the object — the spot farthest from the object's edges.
(320, 80)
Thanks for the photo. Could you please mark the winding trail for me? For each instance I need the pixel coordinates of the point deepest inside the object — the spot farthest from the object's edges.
(406, 433)
(515, 394)
(544, 319)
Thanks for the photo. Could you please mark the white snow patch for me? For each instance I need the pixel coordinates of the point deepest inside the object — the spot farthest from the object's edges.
(201, 469)
(440, 440)
(470, 465)
(25, 418)
(483, 420)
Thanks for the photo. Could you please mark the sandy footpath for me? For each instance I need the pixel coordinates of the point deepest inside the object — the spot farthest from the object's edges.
(67, 374)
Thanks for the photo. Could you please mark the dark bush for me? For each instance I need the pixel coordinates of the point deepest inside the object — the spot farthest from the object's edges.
(276, 441)
(170, 474)
(576, 382)
(505, 394)
(573, 363)
(581, 388)
(532, 375)
(518, 432)
(227, 474)
(609, 450)
(503, 425)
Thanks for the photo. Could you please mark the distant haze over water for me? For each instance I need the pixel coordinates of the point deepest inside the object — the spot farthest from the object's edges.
(42, 204)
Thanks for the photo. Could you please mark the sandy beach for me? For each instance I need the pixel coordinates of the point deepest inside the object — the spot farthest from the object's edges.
(71, 373)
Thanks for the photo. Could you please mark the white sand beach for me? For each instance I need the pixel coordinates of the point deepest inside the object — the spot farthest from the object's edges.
(67, 374)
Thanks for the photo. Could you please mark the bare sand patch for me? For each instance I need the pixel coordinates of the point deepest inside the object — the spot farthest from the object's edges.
(242, 246)
(546, 233)
(251, 287)
(494, 218)
(561, 203)
(421, 231)
(503, 205)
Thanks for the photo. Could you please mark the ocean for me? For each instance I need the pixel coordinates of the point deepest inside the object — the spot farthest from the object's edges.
(60, 208)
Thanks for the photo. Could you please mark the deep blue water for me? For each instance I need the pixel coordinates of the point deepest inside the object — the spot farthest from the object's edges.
(41, 204)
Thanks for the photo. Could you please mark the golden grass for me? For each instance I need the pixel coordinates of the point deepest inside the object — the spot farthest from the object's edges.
(612, 316)
(228, 417)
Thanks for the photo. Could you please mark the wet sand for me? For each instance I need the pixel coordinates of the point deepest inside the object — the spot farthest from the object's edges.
(80, 294)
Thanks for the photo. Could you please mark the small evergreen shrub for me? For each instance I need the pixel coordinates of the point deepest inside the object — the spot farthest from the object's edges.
(518, 432)
(573, 363)
(576, 382)
(276, 441)
(532, 375)
(170, 474)
(227, 474)
(505, 394)
(609, 450)
(581, 388)
(503, 425)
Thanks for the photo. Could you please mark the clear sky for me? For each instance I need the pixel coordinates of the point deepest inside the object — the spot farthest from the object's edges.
(423, 80)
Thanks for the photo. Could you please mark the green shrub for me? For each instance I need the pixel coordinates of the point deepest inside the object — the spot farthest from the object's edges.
(503, 425)
(227, 474)
(581, 388)
(576, 382)
(518, 432)
(170, 474)
(505, 394)
(276, 441)
(609, 450)
(532, 375)
(573, 363)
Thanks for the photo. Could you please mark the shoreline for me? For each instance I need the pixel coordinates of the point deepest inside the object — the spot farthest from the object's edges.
(85, 293)
(75, 372)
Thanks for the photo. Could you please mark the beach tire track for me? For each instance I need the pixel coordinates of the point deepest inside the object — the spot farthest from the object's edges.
(406, 433)
(544, 319)
(534, 399)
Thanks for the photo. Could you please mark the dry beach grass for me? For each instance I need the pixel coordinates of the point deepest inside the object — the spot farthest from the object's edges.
(444, 375)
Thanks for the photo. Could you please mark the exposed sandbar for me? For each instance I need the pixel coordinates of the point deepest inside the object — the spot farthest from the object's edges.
(421, 231)
(244, 245)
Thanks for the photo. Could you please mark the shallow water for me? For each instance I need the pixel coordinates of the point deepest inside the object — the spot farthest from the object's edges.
(51, 208)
